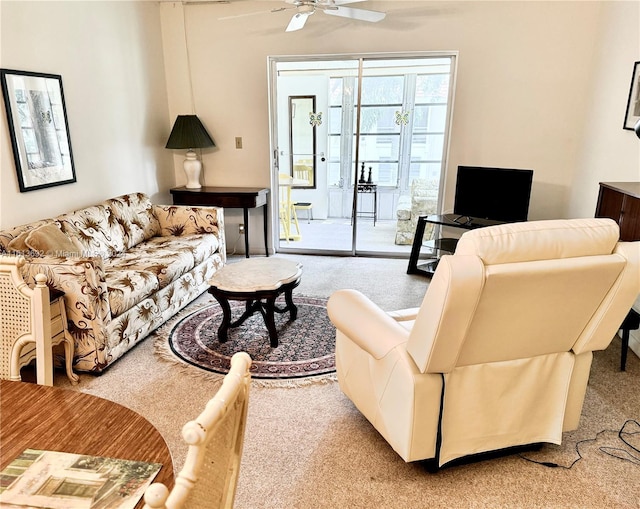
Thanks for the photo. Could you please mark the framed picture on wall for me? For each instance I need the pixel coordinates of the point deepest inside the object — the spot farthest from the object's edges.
(633, 104)
(38, 127)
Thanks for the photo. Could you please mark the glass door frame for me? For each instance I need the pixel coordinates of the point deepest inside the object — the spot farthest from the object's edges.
(272, 73)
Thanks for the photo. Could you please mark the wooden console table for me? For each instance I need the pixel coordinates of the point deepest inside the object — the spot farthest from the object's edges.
(620, 201)
(244, 198)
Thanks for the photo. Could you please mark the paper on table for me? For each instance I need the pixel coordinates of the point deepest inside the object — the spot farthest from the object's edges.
(60, 480)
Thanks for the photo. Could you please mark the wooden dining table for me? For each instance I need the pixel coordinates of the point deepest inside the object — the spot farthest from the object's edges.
(54, 419)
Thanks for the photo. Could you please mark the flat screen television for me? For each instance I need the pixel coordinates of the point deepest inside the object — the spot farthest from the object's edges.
(501, 194)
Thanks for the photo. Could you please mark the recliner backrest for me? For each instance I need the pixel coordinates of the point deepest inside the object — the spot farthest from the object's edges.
(525, 289)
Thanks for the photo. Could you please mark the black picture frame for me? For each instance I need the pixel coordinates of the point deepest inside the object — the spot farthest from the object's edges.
(302, 139)
(38, 128)
(632, 114)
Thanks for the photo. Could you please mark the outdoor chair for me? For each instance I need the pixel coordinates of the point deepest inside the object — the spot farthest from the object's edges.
(215, 439)
(304, 172)
(498, 354)
(287, 210)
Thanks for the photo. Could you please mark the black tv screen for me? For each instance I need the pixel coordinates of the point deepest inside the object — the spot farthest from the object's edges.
(500, 194)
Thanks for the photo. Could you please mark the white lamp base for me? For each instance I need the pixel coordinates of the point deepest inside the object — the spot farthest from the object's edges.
(192, 168)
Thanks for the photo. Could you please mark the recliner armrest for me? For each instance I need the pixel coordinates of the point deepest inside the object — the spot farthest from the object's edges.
(404, 315)
(365, 323)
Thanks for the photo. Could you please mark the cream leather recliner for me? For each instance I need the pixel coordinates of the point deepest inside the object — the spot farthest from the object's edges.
(499, 353)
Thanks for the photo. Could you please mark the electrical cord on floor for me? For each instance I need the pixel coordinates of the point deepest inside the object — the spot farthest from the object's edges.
(630, 428)
(235, 245)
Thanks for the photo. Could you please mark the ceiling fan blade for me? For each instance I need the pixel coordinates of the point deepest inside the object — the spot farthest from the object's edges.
(297, 21)
(253, 13)
(359, 14)
(205, 2)
(340, 2)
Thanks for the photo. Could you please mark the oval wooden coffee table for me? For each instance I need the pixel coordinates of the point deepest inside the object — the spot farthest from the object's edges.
(259, 282)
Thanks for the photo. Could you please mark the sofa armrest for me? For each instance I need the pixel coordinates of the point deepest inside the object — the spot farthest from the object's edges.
(178, 220)
(368, 326)
(85, 293)
(403, 210)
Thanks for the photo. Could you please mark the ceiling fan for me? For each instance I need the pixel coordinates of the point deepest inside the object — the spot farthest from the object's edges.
(305, 8)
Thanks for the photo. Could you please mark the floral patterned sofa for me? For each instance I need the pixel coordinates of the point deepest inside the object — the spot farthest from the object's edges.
(125, 266)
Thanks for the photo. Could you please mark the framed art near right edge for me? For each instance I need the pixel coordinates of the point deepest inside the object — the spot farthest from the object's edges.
(633, 104)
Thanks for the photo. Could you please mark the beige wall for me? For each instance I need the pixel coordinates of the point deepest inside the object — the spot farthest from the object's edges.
(525, 83)
(540, 85)
(110, 57)
(607, 153)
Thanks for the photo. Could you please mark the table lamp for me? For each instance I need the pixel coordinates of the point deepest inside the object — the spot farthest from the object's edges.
(188, 132)
(636, 128)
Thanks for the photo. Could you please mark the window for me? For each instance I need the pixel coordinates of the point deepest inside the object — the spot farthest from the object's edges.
(403, 123)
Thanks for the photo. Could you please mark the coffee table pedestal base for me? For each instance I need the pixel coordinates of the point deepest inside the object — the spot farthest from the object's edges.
(260, 301)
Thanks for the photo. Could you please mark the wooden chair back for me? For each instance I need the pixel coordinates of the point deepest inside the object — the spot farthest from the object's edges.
(215, 438)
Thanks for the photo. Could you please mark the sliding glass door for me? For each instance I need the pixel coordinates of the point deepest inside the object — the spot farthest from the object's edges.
(373, 134)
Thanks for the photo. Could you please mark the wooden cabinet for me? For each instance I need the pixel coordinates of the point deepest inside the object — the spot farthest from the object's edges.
(620, 201)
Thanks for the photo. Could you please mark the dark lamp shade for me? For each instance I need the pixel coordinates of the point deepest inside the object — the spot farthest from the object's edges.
(636, 128)
(188, 132)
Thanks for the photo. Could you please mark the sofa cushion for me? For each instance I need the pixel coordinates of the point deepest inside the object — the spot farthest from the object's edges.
(179, 221)
(134, 213)
(127, 287)
(138, 273)
(12, 239)
(49, 239)
(19, 243)
(171, 257)
(200, 247)
(96, 229)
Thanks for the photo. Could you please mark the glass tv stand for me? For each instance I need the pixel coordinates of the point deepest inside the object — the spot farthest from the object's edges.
(442, 245)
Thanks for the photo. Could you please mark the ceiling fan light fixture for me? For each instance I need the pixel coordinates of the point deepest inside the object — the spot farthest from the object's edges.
(298, 21)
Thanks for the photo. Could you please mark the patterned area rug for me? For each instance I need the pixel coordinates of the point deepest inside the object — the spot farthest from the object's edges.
(305, 353)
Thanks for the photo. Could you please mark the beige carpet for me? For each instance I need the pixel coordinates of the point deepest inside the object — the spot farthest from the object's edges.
(309, 448)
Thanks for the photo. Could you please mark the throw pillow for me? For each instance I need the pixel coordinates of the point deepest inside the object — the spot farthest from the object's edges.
(51, 240)
(18, 243)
